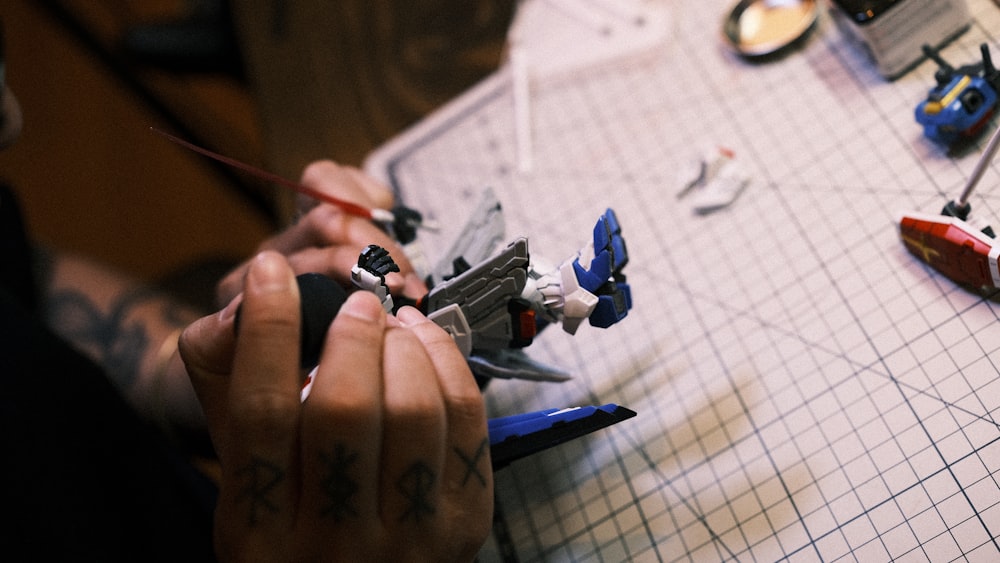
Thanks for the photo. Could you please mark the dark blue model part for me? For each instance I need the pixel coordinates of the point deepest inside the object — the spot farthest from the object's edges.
(520, 435)
(604, 278)
(963, 100)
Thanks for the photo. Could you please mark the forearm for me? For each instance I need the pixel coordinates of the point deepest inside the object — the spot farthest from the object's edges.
(127, 328)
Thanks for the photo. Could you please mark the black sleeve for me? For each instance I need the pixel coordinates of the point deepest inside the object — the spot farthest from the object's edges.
(83, 477)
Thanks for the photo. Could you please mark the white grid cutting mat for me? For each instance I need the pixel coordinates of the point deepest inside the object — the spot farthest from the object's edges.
(805, 389)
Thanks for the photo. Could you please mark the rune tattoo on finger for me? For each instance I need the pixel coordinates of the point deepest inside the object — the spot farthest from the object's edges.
(261, 477)
(416, 485)
(339, 487)
(472, 463)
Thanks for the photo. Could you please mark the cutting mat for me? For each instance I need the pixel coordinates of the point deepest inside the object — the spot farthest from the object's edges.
(806, 389)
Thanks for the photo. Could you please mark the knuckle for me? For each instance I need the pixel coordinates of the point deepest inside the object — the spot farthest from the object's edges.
(465, 408)
(358, 337)
(347, 410)
(322, 215)
(418, 415)
(268, 323)
(335, 227)
(315, 172)
(267, 415)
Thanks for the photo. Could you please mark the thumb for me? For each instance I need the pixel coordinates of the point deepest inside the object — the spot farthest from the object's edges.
(207, 348)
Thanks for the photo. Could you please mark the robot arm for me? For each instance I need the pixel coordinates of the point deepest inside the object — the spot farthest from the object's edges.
(588, 286)
(605, 278)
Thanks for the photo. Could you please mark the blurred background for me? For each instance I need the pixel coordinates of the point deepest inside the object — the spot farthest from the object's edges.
(275, 84)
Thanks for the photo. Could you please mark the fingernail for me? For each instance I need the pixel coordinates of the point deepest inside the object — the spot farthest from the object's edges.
(230, 310)
(268, 274)
(410, 316)
(395, 281)
(363, 305)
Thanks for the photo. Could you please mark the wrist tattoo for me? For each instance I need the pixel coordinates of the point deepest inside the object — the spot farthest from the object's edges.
(472, 471)
(416, 485)
(117, 342)
(338, 485)
(119, 345)
(259, 477)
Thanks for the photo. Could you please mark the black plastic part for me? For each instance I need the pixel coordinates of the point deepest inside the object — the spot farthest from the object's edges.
(864, 11)
(406, 223)
(321, 299)
(952, 209)
(377, 260)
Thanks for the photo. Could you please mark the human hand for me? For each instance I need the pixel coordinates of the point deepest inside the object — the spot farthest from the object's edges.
(327, 240)
(387, 459)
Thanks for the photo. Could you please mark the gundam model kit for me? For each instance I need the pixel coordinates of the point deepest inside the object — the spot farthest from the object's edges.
(962, 101)
(953, 243)
(493, 299)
